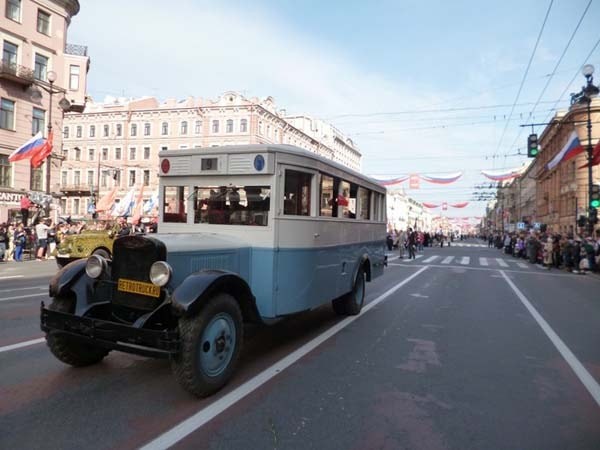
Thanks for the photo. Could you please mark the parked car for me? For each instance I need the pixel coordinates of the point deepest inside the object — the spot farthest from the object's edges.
(96, 238)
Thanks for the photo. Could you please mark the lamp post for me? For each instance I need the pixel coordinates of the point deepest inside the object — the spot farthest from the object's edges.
(585, 96)
(64, 104)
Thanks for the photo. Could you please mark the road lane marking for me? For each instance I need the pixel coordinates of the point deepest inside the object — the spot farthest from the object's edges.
(6, 299)
(580, 371)
(431, 258)
(11, 276)
(536, 273)
(501, 262)
(8, 348)
(447, 259)
(465, 260)
(203, 416)
(483, 261)
(522, 265)
(45, 287)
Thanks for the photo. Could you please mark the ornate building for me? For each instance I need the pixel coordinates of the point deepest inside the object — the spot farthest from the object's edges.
(116, 143)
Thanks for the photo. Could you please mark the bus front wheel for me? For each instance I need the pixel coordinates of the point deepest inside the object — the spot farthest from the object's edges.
(351, 303)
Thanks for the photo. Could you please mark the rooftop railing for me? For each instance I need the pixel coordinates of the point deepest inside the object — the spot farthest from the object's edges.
(77, 50)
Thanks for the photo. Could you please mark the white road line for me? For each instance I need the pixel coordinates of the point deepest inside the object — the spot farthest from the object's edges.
(8, 348)
(483, 261)
(25, 288)
(6, 299)
(11, 276)
(501, 262)
(465, 260)
(522, 265)
(431, 258)
(418, 256)
(447, 259)
(580, 371)
(196, 421)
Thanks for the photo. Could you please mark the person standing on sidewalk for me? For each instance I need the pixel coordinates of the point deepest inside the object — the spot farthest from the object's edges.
(41, 230)
(3, 241)
(20, 239)
(412, 243)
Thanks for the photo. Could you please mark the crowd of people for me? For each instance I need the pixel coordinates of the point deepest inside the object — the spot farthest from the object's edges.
(552, 250)
(412, 241)
(40, 238)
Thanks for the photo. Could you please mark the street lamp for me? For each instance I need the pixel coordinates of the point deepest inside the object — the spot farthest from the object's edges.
(585, 97)
(36, 95)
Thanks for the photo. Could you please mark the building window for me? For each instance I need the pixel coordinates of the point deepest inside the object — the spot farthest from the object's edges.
(117, 153)
(90, 177)
(164, 147)
(133, 129)
(146, 152)
(146, 129)
(7, 114)
(92, 131)
(41, 67)
(243, 126)
(131, 178)
(43, 22)
(74, 78)
(77, 154)
(184, 127)
(132, 154)
(117, 178)
(260, 128)
(104, 154)
(105, 131)
(164, 129)
(215, 126)
(38, 120)
(13, 10)
(119, 129)
(146, 178)
(77, 178)
(229, 126)
(104, 179)
(91, 154)
(4, 171)
(296, 200)
(79, 131)
(75, 206)
(66, 132)
(198, 127)
(63, 178)
(37, 179)
(9, 56)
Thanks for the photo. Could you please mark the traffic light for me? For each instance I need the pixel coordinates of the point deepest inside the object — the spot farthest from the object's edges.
(532, 146)
(593, 216)
(595, 197)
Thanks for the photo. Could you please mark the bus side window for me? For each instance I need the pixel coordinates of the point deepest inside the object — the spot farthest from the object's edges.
(296, 200)
(175, 204)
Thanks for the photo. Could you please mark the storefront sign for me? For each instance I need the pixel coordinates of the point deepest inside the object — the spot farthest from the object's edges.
(10, 197)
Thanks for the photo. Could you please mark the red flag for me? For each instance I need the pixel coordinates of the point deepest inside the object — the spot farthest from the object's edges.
(40, 156)
(595, 156)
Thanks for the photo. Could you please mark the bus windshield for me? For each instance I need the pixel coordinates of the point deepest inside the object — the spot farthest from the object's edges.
(232, 205)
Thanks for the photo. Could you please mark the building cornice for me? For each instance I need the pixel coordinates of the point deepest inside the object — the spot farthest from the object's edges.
(71, 6)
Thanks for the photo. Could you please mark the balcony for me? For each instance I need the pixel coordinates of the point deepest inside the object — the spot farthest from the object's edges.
(16, 73)
(76, 189)
(77, 50)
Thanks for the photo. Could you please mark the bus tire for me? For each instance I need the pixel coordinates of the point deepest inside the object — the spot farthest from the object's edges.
(211, 343)
(68, 349)
(351, 303)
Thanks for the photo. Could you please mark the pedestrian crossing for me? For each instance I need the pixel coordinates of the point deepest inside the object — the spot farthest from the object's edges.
(496, 263)
(464, 244)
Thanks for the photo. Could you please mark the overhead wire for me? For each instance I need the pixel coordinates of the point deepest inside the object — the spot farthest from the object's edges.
(525, 75)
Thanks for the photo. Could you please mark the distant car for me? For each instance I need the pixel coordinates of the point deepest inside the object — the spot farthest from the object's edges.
(96, 239)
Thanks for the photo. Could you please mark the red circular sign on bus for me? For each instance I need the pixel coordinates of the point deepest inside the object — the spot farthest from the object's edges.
(165, 166)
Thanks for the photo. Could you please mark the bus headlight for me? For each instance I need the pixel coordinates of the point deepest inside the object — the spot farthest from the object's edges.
(160, 273)
(95, 266)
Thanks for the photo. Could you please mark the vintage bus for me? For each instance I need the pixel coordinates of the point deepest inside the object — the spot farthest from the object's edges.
(246, 233)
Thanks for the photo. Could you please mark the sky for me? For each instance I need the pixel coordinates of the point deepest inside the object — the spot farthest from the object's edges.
(433, 88)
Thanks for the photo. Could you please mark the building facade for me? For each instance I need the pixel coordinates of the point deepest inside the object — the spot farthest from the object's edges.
(33, 35)
(116, 143)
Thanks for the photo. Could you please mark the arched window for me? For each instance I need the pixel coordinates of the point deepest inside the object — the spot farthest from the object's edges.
(184, 127)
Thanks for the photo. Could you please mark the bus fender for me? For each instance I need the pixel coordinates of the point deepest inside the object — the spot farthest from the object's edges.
(197, 288)
(65, 278)
(365, 263)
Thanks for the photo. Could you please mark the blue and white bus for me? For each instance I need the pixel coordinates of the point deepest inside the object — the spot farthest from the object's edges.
(246, 233)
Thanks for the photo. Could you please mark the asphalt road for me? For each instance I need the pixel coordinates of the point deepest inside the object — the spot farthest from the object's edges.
(461, 348)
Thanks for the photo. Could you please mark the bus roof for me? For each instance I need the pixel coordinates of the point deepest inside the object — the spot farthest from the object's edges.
(268, 148)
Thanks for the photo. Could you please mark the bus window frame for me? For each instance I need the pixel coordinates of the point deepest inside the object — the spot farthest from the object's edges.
(314, 199)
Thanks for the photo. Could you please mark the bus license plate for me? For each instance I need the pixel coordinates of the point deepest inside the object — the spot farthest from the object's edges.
(138, 287)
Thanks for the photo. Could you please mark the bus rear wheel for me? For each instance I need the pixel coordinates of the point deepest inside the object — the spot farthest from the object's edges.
(351, 303)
